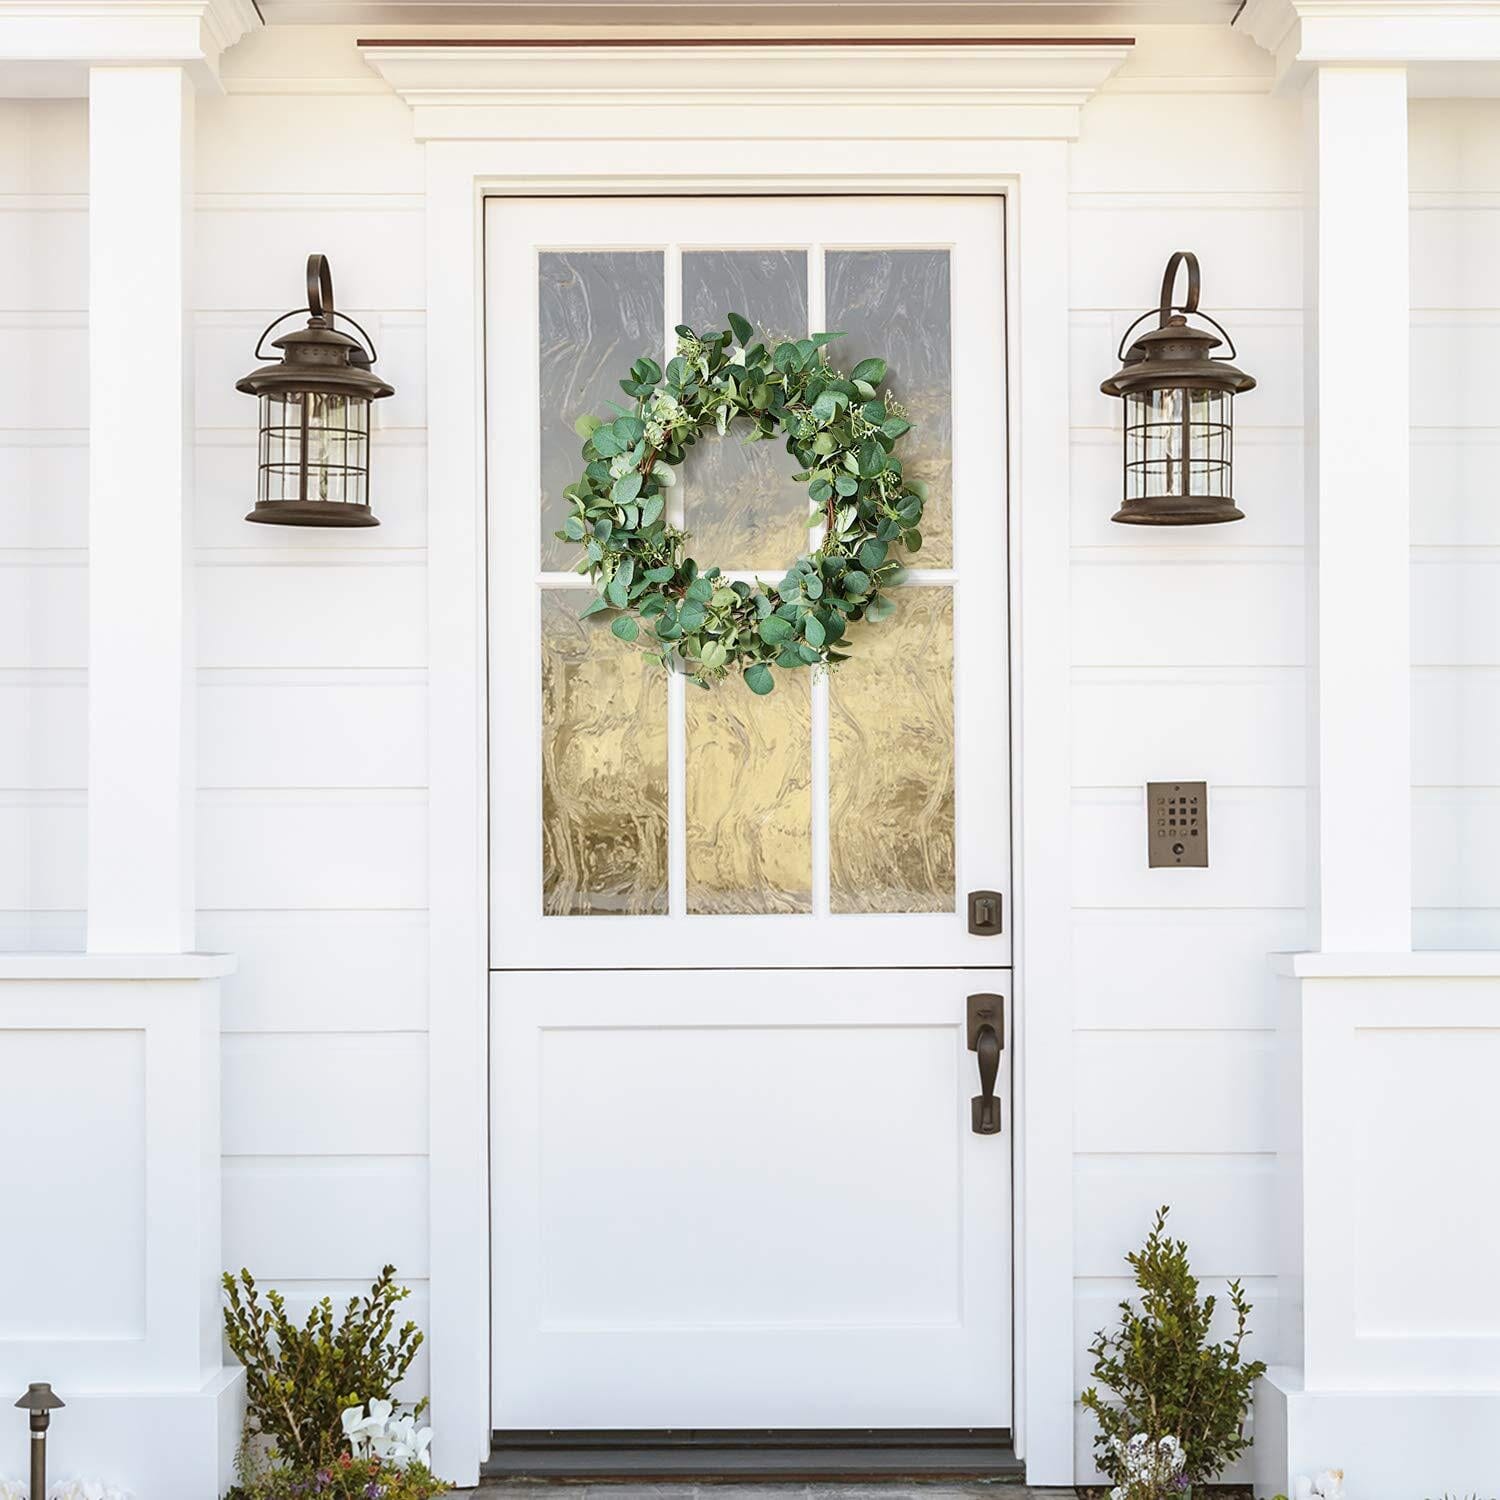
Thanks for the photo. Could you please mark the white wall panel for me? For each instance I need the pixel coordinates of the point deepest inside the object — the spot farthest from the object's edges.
(1239, 727)
(320, 1095)
(43, 731)
(44, 256)
(330, 971)
(42, 842)
(43, 491)
(1223, 1206)
(279, 142)
(1250, 261)
(313, 729)
(296, 615)
(1456, 609)
(1179, 969)
(1456, 846)
(277, 851)
(345, 1210)
(1163, 1092)
(1456, 727)
(1453, 486)
(1187, 612)
(41, 357)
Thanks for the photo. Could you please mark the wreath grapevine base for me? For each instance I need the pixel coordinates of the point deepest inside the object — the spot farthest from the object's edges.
(843, 436)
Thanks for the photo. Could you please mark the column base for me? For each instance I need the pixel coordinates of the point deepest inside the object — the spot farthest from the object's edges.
(159, 1445)
(1391, 1444)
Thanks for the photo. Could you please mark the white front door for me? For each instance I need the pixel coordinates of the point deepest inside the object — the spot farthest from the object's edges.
(736, 1181)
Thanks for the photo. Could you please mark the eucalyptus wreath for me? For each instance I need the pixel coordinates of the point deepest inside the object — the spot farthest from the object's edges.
(842, 435)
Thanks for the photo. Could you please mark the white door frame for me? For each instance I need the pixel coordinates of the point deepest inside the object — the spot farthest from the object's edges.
(992, 119)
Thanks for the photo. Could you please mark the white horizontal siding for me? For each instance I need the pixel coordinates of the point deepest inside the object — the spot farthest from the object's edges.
(1455, 343)
(312, 705)
(1189, 662)
(43, 518)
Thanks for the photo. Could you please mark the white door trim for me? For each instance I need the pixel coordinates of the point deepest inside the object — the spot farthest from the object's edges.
(548, 149)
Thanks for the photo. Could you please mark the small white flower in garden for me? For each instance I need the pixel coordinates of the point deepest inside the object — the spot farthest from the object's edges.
(76, 1489)
(391, 1439)
(1329, 1485)
(12, 1489)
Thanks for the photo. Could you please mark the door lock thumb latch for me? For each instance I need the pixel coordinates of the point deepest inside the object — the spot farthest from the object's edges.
(986, 1020)
(985, 913)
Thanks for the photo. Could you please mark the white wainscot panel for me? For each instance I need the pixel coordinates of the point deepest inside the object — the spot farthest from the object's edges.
(344, 1217)
(1455, 369)
(1256, 858)
(43, 614)
(316, 730)
(43, 837)
(89, 1184)
(328, 971)
(1456, 847)
(1179, 969)
(224, 491)
(1187, 612)
(257, 144)
(1456, 726)
(43, 731)
(1268, 482)
(44, 492)
(1269, 345)
(44, 258)
(314, 1095)
(1164, 1092)
(1171, 142)
(277, 851)
(1241, 727)
(248, 258)
(1426, 1096)
(41, 357)
(1453, 487)
(1455, 610)
(345, 614)
(1223, 1206)
(1251, 255)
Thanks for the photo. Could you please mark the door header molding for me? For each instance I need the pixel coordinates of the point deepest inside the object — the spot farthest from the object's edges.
(575, 89)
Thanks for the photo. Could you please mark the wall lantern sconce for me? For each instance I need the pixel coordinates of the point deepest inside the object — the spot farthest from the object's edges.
(1179, 413)
(315, 416)
(40, 1403)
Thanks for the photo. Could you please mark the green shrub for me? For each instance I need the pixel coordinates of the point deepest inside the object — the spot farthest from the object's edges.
(344, 1478)
(1162, 1376)
(299, 1379)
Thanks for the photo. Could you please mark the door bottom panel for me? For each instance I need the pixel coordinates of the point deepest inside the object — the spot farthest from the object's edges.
(744, 1454)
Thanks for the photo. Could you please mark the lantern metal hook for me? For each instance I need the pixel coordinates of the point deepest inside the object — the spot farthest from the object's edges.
(1166, 307)
(319, 305)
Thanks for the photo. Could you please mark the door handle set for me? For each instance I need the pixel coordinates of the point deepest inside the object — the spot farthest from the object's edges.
(986, 1020)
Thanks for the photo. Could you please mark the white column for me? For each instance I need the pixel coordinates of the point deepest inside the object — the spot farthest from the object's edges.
(141, 774)
(1358, 420)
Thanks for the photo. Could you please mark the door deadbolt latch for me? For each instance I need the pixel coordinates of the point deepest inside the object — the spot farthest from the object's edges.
(986, 1024)
(986, 913)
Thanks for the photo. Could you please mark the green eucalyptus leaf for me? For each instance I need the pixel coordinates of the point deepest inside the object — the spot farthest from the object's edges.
(625, 628)
(774, 629)
(586, 425)
(871, 371)
(626, 488)
(758, 678)
(741, 329)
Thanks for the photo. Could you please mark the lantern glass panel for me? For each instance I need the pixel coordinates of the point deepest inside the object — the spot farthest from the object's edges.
(1177, 443)
(314, 445)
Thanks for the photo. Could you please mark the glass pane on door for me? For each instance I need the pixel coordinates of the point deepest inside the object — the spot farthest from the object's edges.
(857, 764)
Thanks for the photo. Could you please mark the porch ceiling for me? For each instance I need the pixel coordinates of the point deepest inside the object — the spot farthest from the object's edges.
(787, 16)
